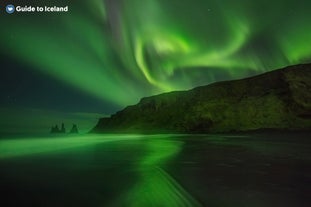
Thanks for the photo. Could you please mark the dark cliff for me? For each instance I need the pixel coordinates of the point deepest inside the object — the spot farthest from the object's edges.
(280, 100)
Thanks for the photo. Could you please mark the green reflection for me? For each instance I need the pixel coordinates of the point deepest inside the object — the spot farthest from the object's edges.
(10, 148)
(156, 187)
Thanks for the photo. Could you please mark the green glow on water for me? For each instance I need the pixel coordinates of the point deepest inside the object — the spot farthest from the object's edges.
(154, 187)
(10, 148)
(158, 188)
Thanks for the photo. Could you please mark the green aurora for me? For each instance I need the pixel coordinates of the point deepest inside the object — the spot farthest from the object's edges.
(119, 51)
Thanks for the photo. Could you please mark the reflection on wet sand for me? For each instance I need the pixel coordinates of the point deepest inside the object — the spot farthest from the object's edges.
(157, 171)
(156, 187)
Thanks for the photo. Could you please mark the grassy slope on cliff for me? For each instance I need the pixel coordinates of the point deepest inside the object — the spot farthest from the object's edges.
(280, 99)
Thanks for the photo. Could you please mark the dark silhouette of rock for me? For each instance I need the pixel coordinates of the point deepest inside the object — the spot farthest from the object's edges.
(63, 130)
(55, 129)
(277, 100)
(74, 129)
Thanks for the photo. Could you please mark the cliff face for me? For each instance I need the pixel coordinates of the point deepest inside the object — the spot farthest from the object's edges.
(280, 99)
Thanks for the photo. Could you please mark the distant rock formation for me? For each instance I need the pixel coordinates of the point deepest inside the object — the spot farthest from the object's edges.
(63, 130)
(74, 129)
(280, 100)
(56, 130)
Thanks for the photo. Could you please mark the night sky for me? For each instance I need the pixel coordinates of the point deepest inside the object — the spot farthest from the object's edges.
(105, 54)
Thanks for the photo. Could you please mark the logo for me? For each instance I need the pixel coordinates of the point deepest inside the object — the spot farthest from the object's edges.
(10, 8)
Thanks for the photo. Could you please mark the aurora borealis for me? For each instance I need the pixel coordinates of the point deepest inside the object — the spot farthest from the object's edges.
(119, 51)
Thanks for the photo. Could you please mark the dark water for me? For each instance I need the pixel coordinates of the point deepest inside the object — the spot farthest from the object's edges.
(157, 170)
